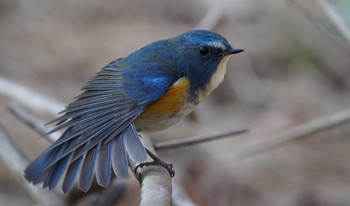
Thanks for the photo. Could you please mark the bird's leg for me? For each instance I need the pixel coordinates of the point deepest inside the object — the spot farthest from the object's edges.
(157, 161)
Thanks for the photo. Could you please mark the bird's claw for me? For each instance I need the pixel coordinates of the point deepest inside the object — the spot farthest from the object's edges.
(168, 167)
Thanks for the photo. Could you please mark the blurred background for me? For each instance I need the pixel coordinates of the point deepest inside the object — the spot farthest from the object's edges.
(295, 68)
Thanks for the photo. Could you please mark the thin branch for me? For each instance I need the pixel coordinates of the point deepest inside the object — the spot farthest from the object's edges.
(195, 140)
(36, 124)
(296, 133)
(337, 19)
(17, 162)
(30, 98)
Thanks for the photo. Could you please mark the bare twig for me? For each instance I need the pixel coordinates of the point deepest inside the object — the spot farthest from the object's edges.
(29, 98)
(297, 132)
(336, 18)
(319, 25)
(211, 18)
(195, 140)
(33, 122)
(17, 162)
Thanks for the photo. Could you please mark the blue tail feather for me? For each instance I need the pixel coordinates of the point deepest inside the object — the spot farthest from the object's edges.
(58, 171)
(119, 158)
(103, 167)
(87, 170)
(72, 172)
(133, 144)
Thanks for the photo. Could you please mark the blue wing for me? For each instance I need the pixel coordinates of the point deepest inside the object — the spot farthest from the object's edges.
(99, 127)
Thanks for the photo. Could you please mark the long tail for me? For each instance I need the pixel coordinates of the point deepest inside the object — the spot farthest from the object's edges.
(86, 154)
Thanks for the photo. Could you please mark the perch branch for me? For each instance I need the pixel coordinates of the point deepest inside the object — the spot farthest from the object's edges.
(195, 140)
(180, 197)
(297, 132)
(156, 188)
(16, 162)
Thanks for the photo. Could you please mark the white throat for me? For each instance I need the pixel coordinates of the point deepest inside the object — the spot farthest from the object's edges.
(219, 74)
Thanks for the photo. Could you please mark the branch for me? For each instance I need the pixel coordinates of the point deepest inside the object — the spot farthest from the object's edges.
(297, 132)
(337, 19)
(36, 124)
(31, 99)
(17, 162)
(180, 197)
(195, 140)
(155, 181)
(157, 189)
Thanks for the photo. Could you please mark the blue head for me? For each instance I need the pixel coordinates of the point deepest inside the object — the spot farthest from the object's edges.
(199, 55)
(203, 56)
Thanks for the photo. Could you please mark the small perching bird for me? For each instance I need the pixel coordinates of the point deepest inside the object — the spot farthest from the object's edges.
(154, 87)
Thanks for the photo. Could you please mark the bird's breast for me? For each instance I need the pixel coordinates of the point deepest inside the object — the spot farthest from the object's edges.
(169, 109)
(176, 102)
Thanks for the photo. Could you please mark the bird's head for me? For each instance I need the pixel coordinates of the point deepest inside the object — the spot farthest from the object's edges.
(203, 56)
(199, 55)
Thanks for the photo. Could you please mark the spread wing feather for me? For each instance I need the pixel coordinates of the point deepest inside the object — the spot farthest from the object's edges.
(99, 129)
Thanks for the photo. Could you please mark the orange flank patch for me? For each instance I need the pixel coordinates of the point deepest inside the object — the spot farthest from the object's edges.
(171, 103)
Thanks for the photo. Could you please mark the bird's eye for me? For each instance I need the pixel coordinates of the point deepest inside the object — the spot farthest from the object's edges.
(204, 50)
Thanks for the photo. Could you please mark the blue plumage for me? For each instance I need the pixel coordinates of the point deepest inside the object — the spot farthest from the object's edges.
(103, 167)
(99, 123)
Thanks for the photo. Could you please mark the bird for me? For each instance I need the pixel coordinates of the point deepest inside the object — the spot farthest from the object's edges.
(151, 89)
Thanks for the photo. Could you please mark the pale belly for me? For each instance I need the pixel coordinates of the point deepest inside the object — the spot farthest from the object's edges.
(161, 122)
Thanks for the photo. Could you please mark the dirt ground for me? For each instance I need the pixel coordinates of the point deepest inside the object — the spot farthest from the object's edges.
(295, 68)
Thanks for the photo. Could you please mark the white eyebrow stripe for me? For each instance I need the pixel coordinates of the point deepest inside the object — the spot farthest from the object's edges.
(217, 44)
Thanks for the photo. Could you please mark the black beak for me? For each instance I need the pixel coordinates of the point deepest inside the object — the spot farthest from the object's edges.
(233, 51)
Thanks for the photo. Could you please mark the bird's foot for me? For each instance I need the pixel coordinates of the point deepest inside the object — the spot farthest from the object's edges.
(144, 129)
(157, 161)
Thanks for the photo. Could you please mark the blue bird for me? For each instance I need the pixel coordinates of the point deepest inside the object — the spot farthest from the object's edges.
(154, 87)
